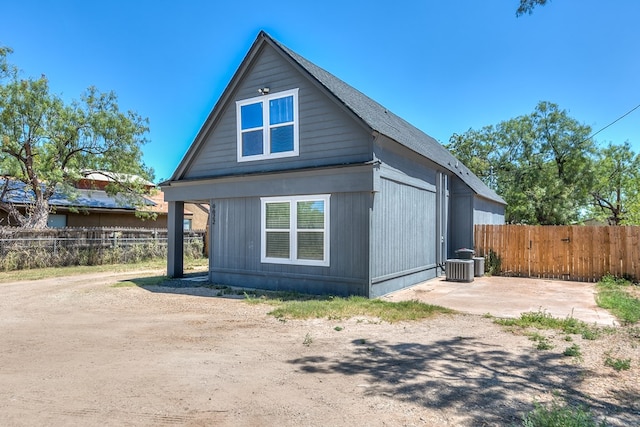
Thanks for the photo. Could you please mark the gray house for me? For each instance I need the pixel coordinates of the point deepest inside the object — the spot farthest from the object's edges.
(317, 188)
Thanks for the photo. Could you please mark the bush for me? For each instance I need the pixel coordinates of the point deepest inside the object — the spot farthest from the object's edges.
(493, 263)
(21, 254)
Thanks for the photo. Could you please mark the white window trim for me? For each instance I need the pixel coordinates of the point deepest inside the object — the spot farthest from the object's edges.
(266, 135)
(293, 230)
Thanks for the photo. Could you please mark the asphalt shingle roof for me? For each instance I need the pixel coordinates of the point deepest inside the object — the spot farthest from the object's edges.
(383, 121)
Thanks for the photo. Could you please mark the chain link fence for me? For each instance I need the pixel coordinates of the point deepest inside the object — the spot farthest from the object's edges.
(22, 249)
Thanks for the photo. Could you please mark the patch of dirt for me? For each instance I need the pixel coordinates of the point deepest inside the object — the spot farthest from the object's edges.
(78, 351)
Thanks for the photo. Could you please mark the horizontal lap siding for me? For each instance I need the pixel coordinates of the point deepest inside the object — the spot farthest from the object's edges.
(487, 212)
(236, 240)
(328, 135)
(236, 234)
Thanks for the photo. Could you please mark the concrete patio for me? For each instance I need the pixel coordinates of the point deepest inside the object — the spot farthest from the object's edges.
(510, 296)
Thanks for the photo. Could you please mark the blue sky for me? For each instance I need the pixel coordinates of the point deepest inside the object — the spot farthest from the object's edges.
(444, 66)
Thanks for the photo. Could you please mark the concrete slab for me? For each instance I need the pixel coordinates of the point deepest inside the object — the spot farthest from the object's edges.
(510, 296)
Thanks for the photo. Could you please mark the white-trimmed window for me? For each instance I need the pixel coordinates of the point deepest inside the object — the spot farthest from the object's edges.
(295, 230)
(267, 126)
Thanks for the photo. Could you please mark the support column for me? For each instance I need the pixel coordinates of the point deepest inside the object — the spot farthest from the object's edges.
(175, 240)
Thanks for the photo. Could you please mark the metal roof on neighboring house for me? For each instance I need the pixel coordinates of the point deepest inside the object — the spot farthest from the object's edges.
(19, 194)
(113, 177)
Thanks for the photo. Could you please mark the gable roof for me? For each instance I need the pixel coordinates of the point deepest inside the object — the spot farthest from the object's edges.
(374, 115)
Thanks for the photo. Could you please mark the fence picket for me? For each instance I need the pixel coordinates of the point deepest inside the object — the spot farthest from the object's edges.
(581, 253)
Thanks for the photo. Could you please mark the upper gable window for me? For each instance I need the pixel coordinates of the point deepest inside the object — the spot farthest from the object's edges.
(268, 126)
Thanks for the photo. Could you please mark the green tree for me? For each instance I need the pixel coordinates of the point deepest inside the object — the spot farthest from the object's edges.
(48, 145)
(539, 163)
(616, 190)
(527, 6)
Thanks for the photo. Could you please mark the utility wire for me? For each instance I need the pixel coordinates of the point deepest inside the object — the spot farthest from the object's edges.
(613, 122)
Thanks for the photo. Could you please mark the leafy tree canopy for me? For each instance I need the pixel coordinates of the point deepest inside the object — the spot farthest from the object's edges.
(47, 144)
(527, 6)
(616, 190)
(540, 163)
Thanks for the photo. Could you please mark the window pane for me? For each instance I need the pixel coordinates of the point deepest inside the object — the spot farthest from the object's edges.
(278, 215)
(277, 244)
(281, 110)
(282, 139)
(251, 116)
(311, 245)
(311, 214)
(252, 143)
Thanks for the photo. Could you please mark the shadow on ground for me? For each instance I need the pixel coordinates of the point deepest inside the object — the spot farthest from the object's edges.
(492, 387)
(197, 284)
(164, 284)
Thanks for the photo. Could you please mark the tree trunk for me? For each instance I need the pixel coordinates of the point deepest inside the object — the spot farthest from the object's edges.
(38, 215)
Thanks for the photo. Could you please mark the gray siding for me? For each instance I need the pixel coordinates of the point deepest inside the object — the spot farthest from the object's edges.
(406, 165)
(487, 212)
(410, 216)
(235, 249)
(467, 209)
(403, 236)
(354, 178)
(328, 136)
(460, 216)
(395, 192)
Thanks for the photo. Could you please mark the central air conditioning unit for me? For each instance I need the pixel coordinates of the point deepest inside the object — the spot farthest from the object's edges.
(459, 270)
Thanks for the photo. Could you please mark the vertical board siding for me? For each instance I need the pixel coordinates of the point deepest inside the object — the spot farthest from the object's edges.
(580, 253)
(460, 222)
(328, 136)
(404, 229)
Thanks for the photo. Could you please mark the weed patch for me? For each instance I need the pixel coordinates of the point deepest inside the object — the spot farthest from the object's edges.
(335, 308)
(542, 341)
(308, 339)
(572, 351)
(618, 364)
(615, 295)
(543, 320)
(343, 308)
(557, 414)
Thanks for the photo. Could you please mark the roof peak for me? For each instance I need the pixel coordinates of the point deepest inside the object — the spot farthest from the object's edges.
(372, 114)
(382, 120)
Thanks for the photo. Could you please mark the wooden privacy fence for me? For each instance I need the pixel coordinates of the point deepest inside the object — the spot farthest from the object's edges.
(581, 253)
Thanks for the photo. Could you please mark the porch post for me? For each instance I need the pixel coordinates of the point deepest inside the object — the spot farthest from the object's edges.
(175, 239)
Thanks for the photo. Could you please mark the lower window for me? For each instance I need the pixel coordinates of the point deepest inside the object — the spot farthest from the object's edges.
(295, 230)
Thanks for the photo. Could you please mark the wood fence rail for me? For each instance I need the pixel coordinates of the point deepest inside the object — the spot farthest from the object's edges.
(580, 253)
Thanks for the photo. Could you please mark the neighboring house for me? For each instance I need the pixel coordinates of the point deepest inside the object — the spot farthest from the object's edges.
(196, 215)
(314, 187)
(91, 206)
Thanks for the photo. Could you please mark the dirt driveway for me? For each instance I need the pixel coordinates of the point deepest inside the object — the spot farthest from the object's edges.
(79, 351)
